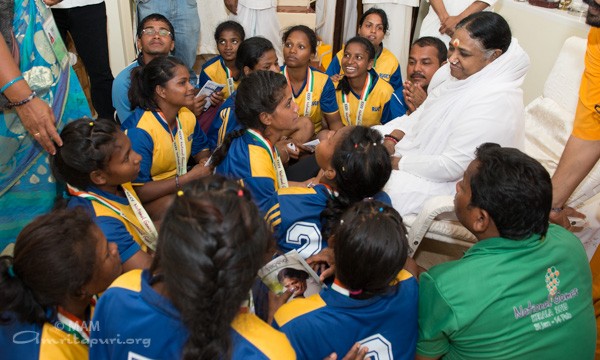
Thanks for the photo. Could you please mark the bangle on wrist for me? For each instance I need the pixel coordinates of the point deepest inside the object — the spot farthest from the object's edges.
(556, 209)
(22, 102)
(10, 83)
(391, 138)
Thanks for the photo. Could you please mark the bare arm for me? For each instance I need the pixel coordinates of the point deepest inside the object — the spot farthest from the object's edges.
(334, 121)
(139, 260)
(35, 115)
(153, 190)
(231, 5)
(578, 158)
(449, 23)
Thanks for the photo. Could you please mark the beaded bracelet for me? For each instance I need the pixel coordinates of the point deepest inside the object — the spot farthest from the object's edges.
(393, 137)
(22, 102)
(556, 209)
(9, 84)
(390, 138)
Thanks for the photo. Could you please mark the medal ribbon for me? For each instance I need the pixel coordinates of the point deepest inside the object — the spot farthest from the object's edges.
(230, 82)
(145, 227)
(178, 146)
(366, 91)
(310, 82)
(277, 164)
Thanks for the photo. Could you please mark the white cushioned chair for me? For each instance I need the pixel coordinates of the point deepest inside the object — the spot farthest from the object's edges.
(548, 124)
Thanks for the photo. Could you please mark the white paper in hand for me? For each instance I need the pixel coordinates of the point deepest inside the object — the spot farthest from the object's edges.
(208, 89)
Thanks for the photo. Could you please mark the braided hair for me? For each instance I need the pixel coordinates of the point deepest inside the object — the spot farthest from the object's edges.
(211, 244)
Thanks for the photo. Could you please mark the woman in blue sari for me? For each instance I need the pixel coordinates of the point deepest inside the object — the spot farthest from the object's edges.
(39, 94)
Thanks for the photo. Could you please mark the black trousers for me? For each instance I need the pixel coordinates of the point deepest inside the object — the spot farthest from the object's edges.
(87, 26)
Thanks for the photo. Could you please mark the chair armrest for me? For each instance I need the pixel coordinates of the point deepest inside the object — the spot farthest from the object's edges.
(431, 209)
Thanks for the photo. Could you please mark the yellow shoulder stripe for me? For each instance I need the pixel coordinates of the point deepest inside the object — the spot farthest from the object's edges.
(297, 308)
(261, 164)
(272, 343)
(403, 275)
(131, 280)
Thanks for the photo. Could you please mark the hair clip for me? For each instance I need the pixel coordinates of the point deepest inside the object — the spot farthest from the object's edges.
(240, 193)
(91, 123)
(356, 146)
(180, 193)
(11, 272)
(355, 292)
(343, 168)
(380, 209)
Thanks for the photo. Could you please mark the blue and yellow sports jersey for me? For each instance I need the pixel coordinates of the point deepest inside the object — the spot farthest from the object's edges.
(294, 215)
(215, 70)
(115, 228)
(248, 161)
(385, 65)
(224, 123)
(377, 109)
(47, 342)
(386, 324)
(397, 104)
(143, 324)
(150, 138)
(323, 98)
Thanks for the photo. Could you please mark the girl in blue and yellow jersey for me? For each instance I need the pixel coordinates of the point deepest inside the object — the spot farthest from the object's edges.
(222, 69)
(373, 26)
(188, 305)
(254, 54)
(362, 96)
(312, 90)
(60, 261)
(265, 110)
(372, 300)
(97, 163)
(355, 166)
(164, 132)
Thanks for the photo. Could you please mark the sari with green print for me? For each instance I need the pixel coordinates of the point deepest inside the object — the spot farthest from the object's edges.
(27, 188)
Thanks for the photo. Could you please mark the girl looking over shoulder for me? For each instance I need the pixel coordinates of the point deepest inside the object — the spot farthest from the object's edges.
(98, 164)
(164, 132)
(60, 261)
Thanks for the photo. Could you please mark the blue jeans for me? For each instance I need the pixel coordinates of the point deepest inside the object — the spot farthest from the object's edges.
(183, 14)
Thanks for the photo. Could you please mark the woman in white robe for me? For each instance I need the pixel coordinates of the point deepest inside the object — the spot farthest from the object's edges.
(474, 98)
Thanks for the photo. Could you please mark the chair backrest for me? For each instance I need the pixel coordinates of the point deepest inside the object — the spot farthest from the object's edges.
(549, 118)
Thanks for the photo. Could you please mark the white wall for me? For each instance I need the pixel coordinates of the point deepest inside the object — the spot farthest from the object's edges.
(541, 32)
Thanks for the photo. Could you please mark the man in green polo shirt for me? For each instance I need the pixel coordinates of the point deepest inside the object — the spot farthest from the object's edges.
(524, 290)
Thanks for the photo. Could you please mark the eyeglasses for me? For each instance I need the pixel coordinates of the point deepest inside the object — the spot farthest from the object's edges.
(153, 31)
